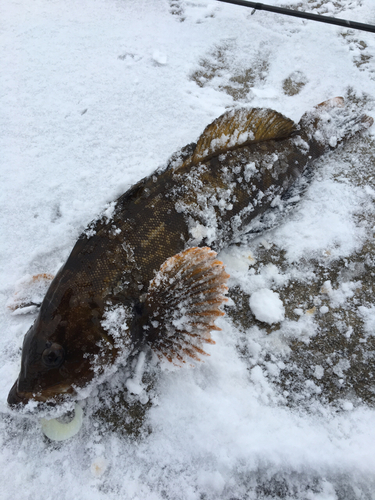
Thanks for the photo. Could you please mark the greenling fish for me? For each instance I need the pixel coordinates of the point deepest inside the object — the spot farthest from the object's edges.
(146, 273)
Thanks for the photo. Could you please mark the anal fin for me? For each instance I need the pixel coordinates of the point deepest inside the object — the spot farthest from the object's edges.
(183, 302)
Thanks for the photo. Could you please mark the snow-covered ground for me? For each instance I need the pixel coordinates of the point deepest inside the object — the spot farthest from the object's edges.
(94, 96)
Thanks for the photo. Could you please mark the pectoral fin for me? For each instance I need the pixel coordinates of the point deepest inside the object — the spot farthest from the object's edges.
(183, 302)
(29, 293)
(241, 127)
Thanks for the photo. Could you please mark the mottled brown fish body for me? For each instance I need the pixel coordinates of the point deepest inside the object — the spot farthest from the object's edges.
(207, 195)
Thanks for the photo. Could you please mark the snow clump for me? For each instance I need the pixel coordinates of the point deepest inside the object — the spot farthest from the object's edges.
(267, 306)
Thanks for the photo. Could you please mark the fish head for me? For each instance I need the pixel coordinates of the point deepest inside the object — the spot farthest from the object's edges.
(62, 351)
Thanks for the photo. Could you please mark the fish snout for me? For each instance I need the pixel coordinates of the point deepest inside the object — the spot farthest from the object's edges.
(15, 398)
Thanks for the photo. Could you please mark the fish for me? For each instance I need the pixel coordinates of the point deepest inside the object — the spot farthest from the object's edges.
(146, 272)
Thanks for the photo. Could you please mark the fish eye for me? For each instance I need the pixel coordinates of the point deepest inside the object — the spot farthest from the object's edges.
(53, 356)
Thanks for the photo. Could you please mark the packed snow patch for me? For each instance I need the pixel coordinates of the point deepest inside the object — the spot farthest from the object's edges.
(267, 306)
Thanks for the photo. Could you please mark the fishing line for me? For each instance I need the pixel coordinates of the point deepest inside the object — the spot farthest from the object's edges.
(304, 15)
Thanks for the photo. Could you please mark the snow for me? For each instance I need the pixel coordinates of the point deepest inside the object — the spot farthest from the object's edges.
(267, 306)
(97, 94)
(368, 314)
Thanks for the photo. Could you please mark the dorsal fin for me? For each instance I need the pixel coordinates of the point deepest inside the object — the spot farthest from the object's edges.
(241, 127)
(183, 303)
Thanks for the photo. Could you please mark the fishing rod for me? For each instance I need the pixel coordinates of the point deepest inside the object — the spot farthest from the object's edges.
(305, 15)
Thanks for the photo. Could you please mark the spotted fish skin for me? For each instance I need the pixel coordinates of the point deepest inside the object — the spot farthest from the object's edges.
(207, 195)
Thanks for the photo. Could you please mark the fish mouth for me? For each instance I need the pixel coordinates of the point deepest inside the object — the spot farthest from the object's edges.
(52, 395)
(14, 398)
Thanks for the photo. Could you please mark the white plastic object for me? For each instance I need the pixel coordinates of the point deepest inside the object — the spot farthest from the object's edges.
(57, 431)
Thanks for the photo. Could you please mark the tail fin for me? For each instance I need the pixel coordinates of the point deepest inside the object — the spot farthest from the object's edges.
(331, 122)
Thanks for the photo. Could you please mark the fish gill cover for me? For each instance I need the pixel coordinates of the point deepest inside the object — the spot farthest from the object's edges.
(98, 95)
